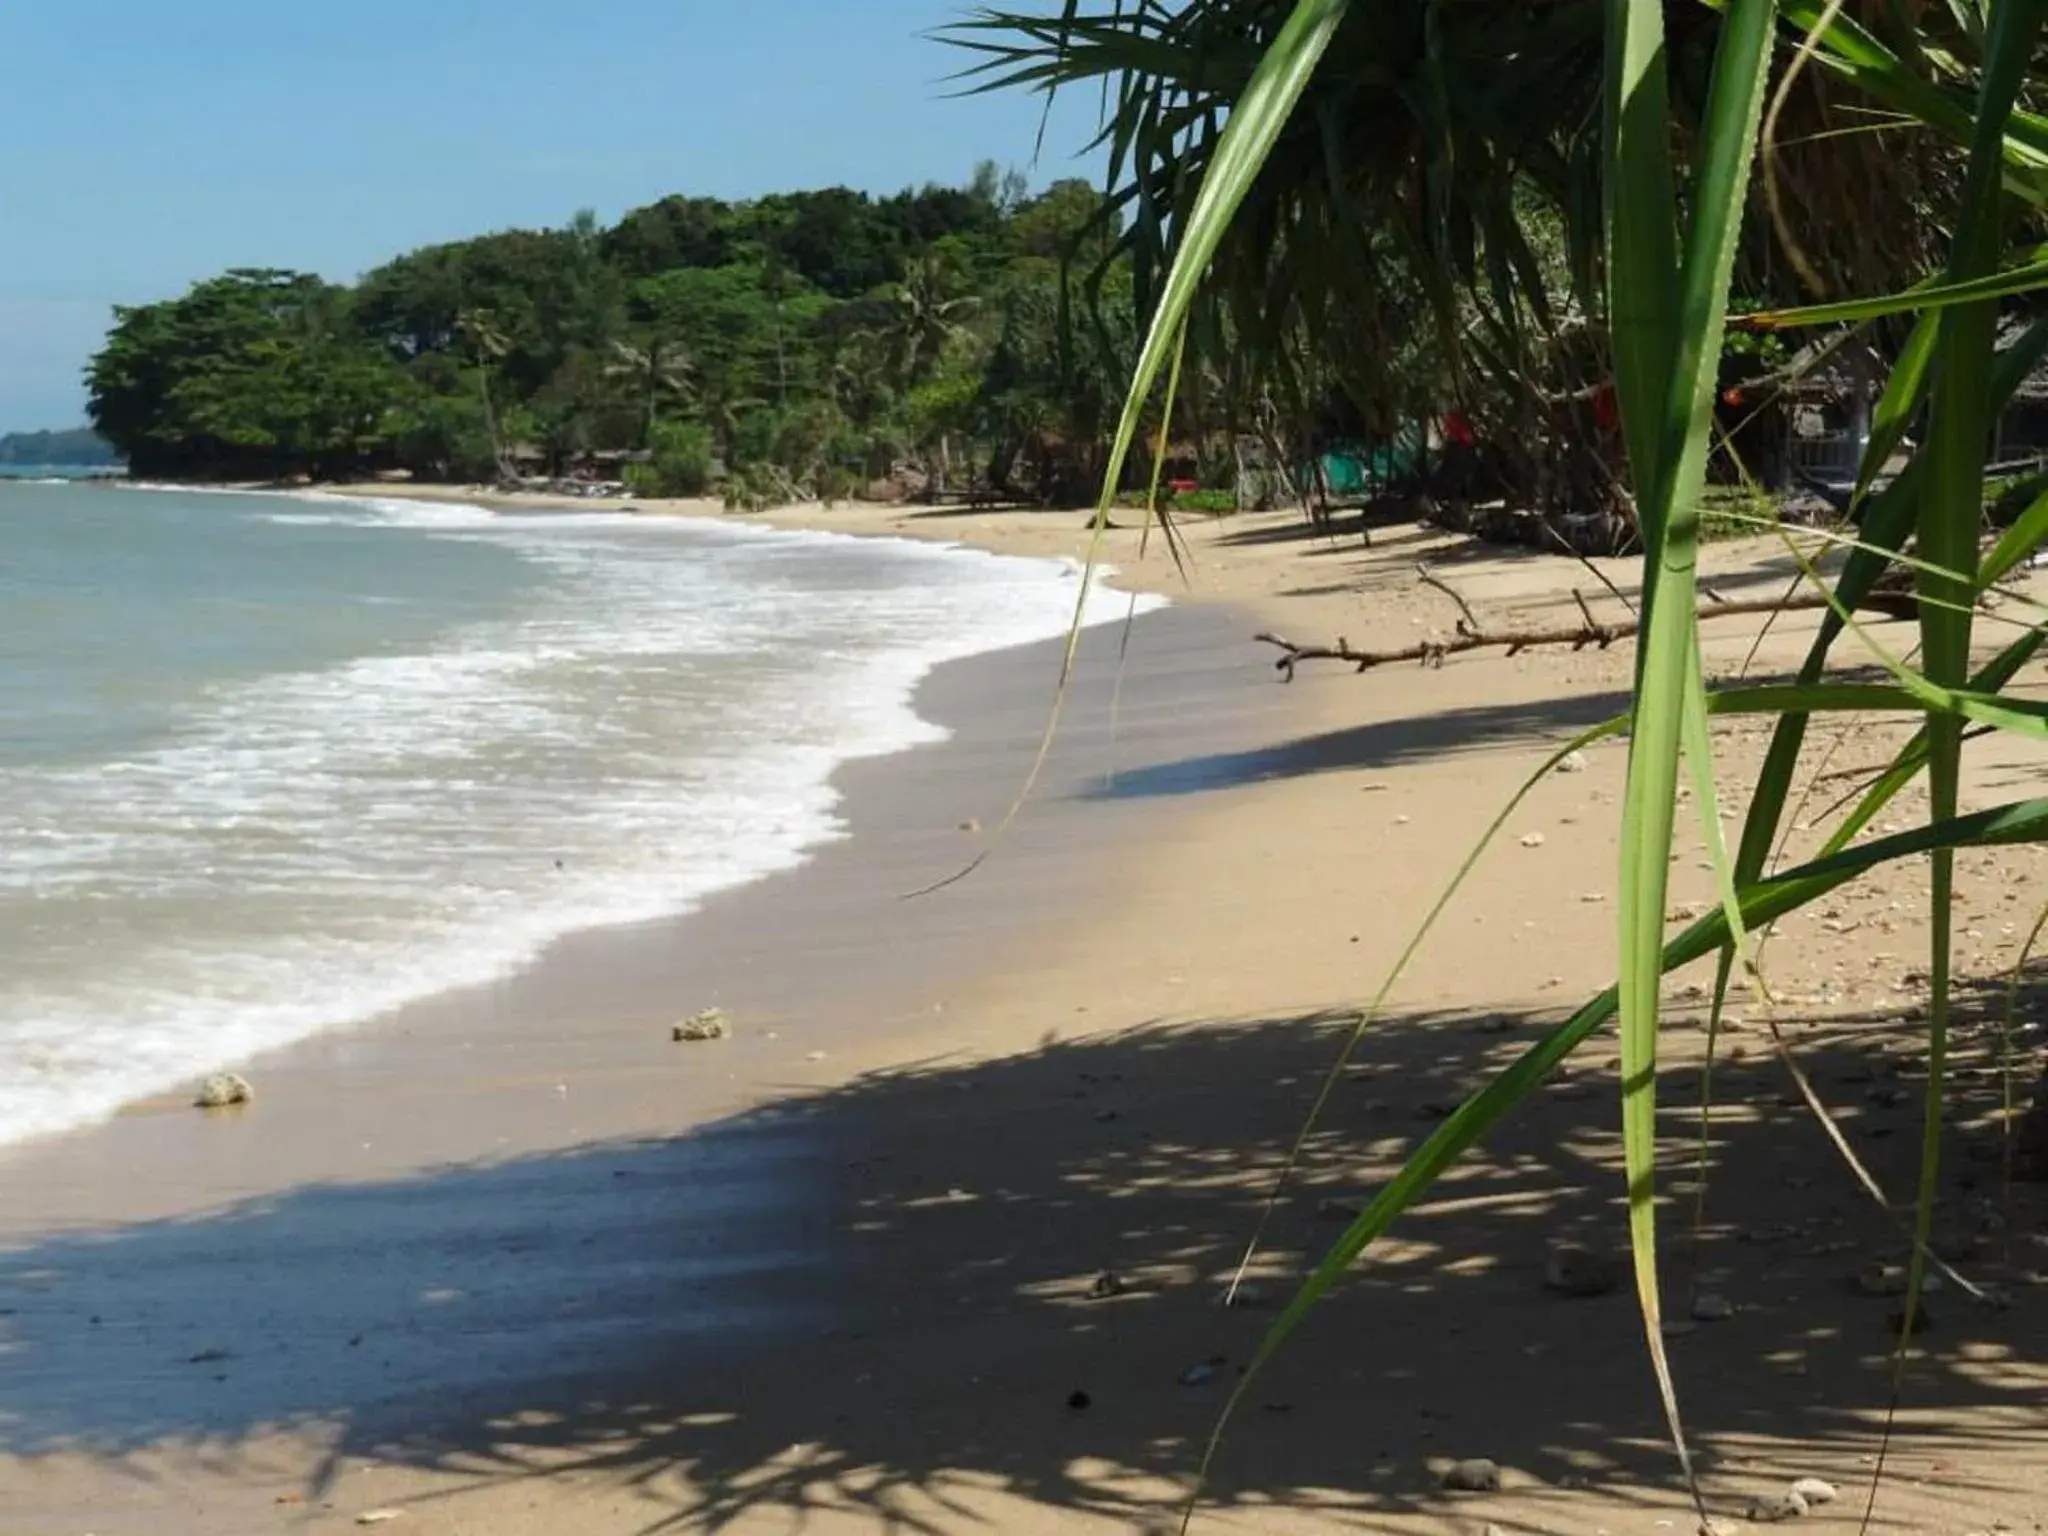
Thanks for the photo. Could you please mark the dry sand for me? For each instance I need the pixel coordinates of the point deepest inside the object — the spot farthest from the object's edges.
(504, 1264)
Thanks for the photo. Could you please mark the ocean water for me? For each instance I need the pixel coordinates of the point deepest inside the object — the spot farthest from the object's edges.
(272, 765)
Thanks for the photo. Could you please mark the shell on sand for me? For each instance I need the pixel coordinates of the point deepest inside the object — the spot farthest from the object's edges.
(711, 1024)
(223, 1089)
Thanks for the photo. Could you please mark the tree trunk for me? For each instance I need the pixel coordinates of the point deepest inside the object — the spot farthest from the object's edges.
(491, 425)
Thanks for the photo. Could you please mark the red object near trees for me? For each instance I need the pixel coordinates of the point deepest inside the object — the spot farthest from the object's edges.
(1606, 410)
(1458, 430)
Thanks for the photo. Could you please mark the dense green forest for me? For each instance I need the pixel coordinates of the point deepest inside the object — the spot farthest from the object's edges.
(77, 447)
(807, 343)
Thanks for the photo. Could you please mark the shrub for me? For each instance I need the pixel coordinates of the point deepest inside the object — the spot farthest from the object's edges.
(681, 462)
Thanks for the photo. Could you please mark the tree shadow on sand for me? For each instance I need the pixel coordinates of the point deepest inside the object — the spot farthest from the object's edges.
(1441, 735)
(888, 1298)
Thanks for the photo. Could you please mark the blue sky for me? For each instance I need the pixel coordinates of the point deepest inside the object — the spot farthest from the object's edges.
(146, 144)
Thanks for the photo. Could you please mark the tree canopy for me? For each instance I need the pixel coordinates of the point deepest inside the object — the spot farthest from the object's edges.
(820, 338)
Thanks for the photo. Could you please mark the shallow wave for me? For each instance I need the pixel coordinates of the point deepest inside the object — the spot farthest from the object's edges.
(312, 849)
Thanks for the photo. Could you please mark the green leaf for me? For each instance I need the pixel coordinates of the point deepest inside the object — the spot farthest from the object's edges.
(1951, 511)
(1931, 296)
(1680, 406)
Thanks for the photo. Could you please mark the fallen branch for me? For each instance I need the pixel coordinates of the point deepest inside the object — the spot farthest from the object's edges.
(1470, 637)
(1430, 578)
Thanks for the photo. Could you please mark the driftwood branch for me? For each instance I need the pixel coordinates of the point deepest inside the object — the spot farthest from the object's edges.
(1472, 637)
(1592, 624)
(1430, 578)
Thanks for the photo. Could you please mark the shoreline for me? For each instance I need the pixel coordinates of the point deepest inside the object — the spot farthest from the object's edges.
(899, 1248)
(525, 1080)
(783, 829)
(1033, 532)
(990, 705)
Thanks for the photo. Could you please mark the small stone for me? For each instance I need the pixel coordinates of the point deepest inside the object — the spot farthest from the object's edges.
(1772, 1507)
(1245, 1296)
(1878, 1278)
(1108, 1283)
(814, 1056)
(1816, 1491)
(1200, 1375)
(1532, 839)
(1572, 762)
(1576, 1270)
(710, 1024)
(1710, 1308)
(1077, 1400)
(1475, 1474)
(1714, 1525)
(379, 1516)
(223, 1089)
(971, 824)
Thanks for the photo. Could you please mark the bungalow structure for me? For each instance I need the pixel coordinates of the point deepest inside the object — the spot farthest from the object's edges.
(1823, 399)
(1810, 421)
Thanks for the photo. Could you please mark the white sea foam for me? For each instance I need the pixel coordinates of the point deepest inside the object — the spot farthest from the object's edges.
(311, 848)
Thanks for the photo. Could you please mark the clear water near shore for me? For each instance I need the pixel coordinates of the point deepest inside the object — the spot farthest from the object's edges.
(269, 765)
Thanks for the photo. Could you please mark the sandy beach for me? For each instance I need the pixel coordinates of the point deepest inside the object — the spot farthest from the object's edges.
(513, 1261)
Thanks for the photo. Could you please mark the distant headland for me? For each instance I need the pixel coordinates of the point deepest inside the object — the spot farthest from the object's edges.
(69, 448)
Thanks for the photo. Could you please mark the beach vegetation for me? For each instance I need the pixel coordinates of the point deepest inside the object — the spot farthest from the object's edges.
(1388, 164)
(679, 463)
(943, 341)
(1416, 277)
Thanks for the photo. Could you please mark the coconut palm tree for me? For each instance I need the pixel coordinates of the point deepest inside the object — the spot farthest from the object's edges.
(663, 368)
(931, 311)
(486, 346)
(928, 317)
